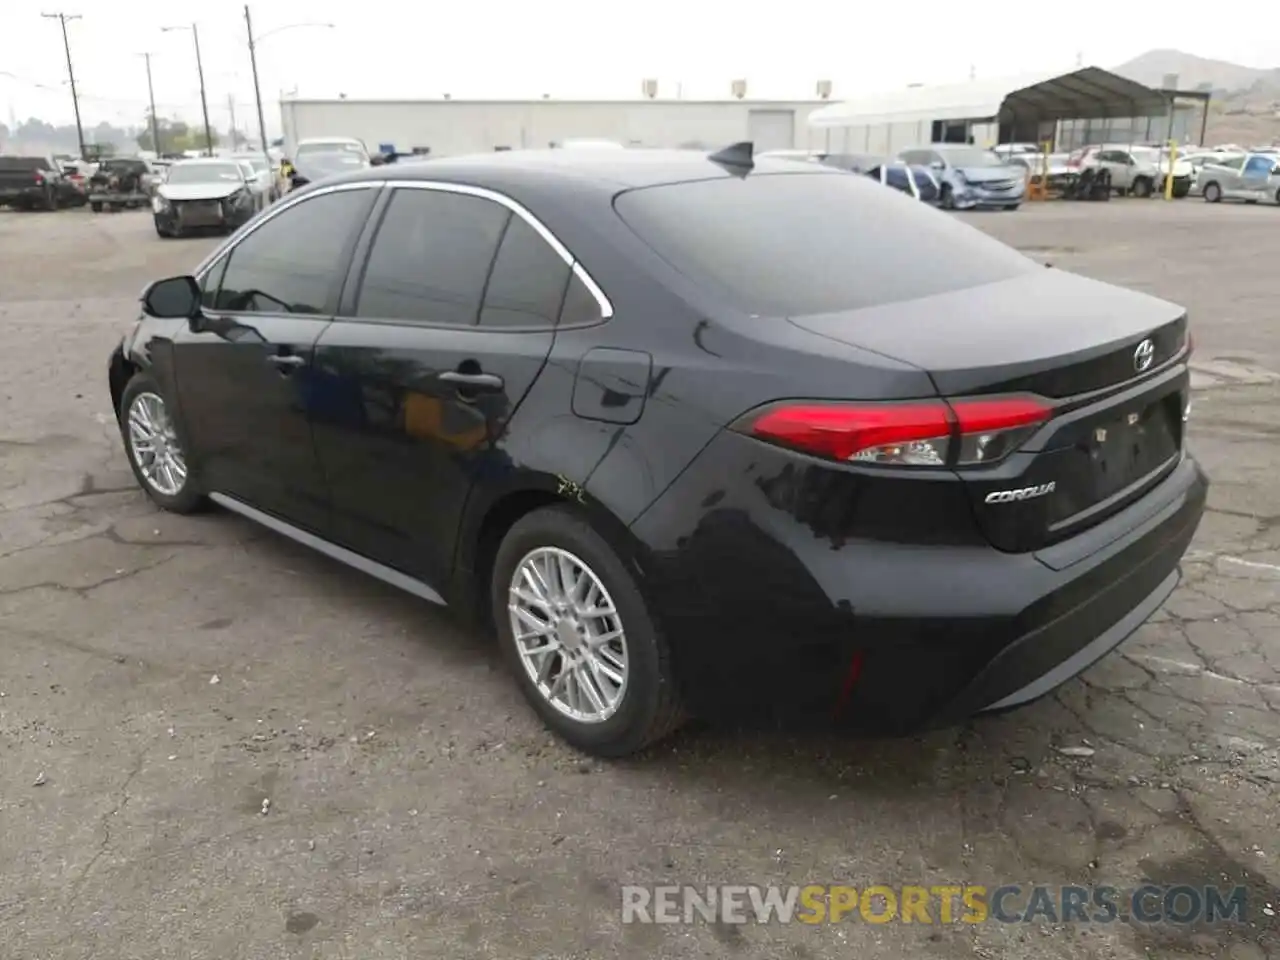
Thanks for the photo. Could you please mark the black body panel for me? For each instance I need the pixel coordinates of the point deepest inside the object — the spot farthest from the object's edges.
(789, 587)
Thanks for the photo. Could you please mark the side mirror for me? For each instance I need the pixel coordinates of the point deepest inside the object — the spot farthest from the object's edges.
(177, 298)
(937, 165)
(377, 160)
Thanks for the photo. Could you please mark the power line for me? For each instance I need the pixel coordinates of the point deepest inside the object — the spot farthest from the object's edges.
(62, 19)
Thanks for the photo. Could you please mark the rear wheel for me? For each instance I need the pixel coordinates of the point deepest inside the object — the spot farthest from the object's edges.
(161, 230)
(1212, 193)
(155, 453)
(948, 198)
(1142, 187)
(96, 206)
(1012, 206)
(579, 637)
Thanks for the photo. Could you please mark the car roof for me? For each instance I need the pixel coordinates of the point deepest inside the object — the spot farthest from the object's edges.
(609, 171)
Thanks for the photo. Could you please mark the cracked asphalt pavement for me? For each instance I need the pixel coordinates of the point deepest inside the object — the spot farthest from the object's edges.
(216, 744)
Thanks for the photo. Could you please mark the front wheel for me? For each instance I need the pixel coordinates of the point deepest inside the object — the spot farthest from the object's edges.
(579, 637)
(948, 197)
(1012, 206)
(96, 206)
(1142, 188)
(1212, 193)
(155, 453)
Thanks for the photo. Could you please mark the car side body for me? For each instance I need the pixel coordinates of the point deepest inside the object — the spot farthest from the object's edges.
(367, 409)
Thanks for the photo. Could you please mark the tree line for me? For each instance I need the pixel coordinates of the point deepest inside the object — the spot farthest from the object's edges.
(176, 136)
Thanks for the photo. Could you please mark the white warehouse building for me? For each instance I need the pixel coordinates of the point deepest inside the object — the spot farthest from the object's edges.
(1086, 105)
(452, 127)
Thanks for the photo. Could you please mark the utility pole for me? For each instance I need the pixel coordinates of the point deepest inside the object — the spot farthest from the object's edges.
(204, 100)
(257, 91)
(62, 19)
(235, 133)
(151, 96)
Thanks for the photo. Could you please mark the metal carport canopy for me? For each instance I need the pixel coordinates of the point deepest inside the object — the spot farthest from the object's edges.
(1089, 93)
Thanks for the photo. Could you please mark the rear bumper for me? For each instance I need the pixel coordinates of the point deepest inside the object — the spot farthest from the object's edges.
(778, 624)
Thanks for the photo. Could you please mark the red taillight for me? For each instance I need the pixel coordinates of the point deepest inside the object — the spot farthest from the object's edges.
(39, 177)
(922, 433)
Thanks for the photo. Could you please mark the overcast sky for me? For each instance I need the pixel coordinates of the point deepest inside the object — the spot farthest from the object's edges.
(565, 48)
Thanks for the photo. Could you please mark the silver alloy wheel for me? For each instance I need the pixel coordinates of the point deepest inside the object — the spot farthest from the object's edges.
(568, 634)
(154, 445)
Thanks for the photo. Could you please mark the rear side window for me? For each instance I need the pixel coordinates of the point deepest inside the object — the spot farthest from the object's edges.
(527, 285)
(1260, 165)
(896, 177)
(431, 258)
(795, 244)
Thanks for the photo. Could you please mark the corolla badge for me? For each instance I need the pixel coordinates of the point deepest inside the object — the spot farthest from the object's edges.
(1026, 493)
(1144, 355)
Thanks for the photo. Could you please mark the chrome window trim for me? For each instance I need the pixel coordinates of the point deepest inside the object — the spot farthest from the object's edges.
(280, 206)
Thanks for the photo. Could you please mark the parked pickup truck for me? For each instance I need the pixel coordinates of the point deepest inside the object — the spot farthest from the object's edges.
(35, 183)
(120, 182)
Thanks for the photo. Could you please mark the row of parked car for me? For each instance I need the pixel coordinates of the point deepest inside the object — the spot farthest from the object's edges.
(961, 176)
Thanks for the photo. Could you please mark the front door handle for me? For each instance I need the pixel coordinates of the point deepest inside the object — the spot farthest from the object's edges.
(488, 382)
(286, 361)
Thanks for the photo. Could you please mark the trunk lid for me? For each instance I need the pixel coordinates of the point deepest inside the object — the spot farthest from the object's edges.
(1118, 424)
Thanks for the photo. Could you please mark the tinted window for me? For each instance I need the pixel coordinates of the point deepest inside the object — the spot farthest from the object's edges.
(1232, 163)
(580, 306)
(812, 243)
(294, 262)
(211, 282)
(1259, 165)
(528, 280)
(896, 177)
(431, 257)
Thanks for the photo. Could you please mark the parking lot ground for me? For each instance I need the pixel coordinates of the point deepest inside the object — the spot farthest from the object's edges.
(216, 744)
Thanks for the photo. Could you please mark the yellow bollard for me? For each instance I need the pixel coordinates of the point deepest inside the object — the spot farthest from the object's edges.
(1168, 180)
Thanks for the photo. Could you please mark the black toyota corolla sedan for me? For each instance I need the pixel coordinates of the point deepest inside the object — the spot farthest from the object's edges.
(695, 434)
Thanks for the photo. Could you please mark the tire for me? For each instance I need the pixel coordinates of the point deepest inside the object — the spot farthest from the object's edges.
(948, 198)
(1212, 193)
(96, 206)
(647, 706)
(179, 496)
(160, 230)
(1141, 188)
(1012, 206)
(1277, 197)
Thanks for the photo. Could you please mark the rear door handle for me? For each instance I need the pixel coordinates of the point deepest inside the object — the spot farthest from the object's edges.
(286, 360)
(472, 381)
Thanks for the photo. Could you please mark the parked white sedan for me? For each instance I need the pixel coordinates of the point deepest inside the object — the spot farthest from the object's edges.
(1250, 177)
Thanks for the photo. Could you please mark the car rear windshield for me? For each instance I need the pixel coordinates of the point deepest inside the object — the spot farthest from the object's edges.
(796, 244)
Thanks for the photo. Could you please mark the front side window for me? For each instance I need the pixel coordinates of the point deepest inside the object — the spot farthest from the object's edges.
(295, 261)
(793, 244)
(1232, 163)
(431, 258)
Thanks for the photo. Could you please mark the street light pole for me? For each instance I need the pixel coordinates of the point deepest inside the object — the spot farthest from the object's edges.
(151, 95)
(257, 90)
(253, 62)
(62, 19)
(204, 101)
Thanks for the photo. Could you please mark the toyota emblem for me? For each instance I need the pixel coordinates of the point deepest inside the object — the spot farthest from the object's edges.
(1144, 355)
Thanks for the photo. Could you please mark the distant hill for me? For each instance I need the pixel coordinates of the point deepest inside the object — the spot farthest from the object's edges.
(1246, 100)
(1151, 68)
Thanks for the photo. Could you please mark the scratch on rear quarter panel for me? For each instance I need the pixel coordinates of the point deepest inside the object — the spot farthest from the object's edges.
(570, 489)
